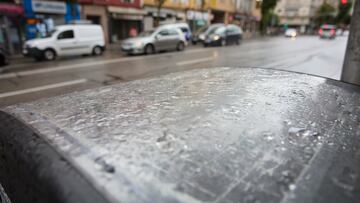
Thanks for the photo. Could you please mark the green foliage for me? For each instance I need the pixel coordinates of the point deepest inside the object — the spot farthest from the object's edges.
(268, 16)
(343, 16)
(325, 14)
(159, 4)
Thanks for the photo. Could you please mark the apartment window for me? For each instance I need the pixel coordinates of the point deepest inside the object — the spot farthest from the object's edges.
(128, 1)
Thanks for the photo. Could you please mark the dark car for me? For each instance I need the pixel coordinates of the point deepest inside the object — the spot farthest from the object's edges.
(3, 57)
(327, 32)
(200, 34)
(224, 35)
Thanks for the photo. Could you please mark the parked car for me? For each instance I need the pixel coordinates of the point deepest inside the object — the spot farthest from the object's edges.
(224, 35)
(291, 32)
(3, 57)
(184, 27)
(199, 35)
(165, 37)
(67, 40)
(327, 31)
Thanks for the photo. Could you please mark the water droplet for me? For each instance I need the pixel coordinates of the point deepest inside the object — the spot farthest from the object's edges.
(268, 136)
(295, 131)
(292, 187)
(287, 122)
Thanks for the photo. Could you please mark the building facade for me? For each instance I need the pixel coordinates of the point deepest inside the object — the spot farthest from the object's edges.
(42, 16)
(296, 14)
(116, 17)
(247, 15)
(222, 10)
(11, 26)
(300, 14)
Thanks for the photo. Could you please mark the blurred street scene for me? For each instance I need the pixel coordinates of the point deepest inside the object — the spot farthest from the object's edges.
(302, 36)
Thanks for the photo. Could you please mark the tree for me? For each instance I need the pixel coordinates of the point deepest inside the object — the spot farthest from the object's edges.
(343, 16)
(267, 7)
(325, 14)
(202, 8)
(159, 4)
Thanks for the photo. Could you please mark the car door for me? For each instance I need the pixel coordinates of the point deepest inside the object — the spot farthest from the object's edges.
(174, 38)
(230, 35)
(66, 42)
(162, 40)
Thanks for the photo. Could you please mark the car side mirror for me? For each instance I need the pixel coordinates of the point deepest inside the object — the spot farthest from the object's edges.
(157, 37)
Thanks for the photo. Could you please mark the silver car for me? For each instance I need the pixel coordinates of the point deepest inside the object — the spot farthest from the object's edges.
(166, 37)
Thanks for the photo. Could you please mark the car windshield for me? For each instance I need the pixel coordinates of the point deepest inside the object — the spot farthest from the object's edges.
(201, 30)
(146, 33)
(212, 29)
(50, 34)
(219, 30)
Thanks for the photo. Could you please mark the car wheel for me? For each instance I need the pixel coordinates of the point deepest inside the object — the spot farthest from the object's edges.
(223, 43)
(238, 41)
(180, 46)
(97, 50)
(149, 49)
(193, 43)
(2, 60)
(49, 55)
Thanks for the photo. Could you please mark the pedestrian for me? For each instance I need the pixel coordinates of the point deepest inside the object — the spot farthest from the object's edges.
(41, 29)
(132, 32)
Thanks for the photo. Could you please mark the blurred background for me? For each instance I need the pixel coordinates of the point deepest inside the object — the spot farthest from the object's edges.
(307, 36)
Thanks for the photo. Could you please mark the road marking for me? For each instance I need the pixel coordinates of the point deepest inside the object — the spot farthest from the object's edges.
(41, 88)
(84, 65)
(184, 63)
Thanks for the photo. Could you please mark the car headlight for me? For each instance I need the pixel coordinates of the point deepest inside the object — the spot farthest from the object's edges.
(202, 37)
(216, 37)
(138, 44)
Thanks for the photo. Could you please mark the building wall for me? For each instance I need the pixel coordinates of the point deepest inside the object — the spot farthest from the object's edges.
(89, 11)
(294, 12)
(223, 5)
(172, 4)
(256, 9)
(122, 3)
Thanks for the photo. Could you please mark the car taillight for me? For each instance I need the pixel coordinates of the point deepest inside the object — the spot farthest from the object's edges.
(320, 32)
(332, 32)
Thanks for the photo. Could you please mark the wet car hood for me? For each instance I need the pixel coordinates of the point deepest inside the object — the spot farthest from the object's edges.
(214, 135)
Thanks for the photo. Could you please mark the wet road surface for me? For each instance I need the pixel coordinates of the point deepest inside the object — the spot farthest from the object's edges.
(27, 81)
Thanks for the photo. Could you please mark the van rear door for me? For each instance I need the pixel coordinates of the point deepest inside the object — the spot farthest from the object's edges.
(87, 38)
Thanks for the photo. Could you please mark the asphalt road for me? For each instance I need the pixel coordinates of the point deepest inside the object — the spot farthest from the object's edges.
(27, 80)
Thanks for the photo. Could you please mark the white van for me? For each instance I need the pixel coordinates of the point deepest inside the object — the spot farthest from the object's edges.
(67, 40)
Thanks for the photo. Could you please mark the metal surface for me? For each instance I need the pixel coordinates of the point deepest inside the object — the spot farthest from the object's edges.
(209, 135)
(351, 68)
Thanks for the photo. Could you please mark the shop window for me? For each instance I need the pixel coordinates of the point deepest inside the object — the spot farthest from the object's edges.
(128, 1)
(68, 34)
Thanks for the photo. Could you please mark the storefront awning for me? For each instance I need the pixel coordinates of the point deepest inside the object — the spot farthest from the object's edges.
(128, 11)
(11, 9)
